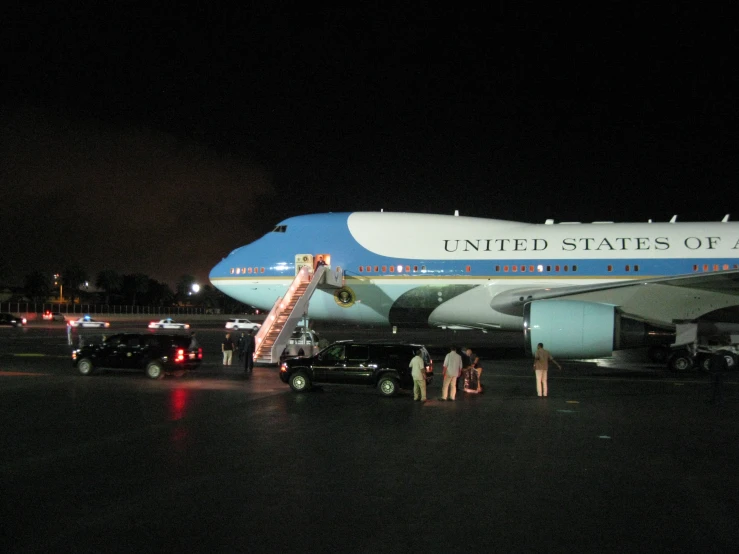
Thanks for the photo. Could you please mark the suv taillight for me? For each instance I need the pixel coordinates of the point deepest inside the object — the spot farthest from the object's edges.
(200, 353)
(180, 356)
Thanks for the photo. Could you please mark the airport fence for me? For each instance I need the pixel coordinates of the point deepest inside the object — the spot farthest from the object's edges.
(102, 309)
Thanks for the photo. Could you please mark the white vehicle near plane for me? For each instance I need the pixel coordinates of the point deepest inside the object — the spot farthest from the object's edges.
(582, 289)
(243, 324)
(87, 321)
(303, 342)
(168, 323)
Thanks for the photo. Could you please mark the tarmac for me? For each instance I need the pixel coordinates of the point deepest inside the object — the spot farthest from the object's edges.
(622, 456)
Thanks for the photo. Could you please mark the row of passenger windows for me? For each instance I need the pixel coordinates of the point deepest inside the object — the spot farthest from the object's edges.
(714, 267)
(532, 268)
(243, 270)
(498, 268)
(468, 269)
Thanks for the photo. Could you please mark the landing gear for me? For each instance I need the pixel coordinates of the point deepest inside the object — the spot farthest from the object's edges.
(681, 361)
(659, 353)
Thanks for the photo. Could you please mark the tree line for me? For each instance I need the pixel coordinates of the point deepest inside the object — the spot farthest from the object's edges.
(113, 288)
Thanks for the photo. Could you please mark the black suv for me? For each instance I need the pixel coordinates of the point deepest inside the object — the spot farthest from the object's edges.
(384, 365)
(156, 354)
(12, 320)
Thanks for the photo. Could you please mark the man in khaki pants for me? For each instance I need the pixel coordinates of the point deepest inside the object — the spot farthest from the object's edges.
(227, 347)
(418, 372)
(452, 365)
(541, 368)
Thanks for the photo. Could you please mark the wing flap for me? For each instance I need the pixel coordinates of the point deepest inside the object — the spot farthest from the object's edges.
(660, 300)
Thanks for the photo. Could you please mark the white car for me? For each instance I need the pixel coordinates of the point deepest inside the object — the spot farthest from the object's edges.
(168, 323)
(237, 324)
(87, 321)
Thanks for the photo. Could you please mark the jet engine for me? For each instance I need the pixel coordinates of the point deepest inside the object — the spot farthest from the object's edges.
(577, 329)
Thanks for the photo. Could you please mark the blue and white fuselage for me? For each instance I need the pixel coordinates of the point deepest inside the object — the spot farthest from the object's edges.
(412, 269)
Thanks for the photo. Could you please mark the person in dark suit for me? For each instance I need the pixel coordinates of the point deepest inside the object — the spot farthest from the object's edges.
(249, 348)
(241, 346)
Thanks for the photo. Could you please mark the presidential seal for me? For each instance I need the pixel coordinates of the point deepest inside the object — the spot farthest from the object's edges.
(345, 297)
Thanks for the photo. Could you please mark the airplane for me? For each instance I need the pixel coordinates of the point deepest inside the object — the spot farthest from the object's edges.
(582, 289)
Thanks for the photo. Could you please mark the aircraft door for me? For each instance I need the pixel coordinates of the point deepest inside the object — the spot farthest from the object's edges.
(322, 259)
(302, 260)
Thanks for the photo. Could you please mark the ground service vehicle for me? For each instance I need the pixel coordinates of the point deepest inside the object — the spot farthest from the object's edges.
(303, 342)
(384, 365)
(696, 343)
(156, 354)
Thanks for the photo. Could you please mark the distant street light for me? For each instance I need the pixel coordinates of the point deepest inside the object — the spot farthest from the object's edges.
(58, 281)
(195, 288)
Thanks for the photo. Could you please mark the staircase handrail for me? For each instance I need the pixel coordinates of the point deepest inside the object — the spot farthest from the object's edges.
(268, 322)
(304, 275)
(314, 278)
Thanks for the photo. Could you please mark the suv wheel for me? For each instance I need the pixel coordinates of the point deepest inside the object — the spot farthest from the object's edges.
(704, 362)
(299, 382)
(730, 359)
(85, 367)
(681, 361)
(154, 370)
(388, 386)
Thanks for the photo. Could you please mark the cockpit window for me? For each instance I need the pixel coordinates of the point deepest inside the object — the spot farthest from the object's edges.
(280, 229)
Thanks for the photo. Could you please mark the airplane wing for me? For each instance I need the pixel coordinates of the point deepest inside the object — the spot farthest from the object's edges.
(659, 300)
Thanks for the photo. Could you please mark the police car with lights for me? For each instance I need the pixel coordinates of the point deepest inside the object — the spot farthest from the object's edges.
(168, 323)
(87, 321)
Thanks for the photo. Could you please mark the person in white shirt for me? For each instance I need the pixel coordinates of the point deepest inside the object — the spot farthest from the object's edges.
(418, 372)
(452, 366)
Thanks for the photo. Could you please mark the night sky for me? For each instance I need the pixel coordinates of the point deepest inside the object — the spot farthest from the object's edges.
(145, 137)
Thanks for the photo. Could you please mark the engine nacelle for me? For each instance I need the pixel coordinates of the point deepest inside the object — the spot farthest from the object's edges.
(570, 328)
(577, 329)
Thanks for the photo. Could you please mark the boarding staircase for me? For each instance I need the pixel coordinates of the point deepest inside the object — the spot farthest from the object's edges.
(288, 310)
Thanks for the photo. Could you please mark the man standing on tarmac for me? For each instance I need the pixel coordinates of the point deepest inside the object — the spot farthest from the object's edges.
(249, 348)
(452, 365)
(241, 346)
(542, 358)
(227, 347)
(418, 372)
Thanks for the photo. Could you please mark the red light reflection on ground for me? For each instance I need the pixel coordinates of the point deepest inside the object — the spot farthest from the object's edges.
(177, 404)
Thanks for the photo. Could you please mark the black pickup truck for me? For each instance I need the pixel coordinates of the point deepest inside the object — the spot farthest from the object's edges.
(156, 354)
(383, 365)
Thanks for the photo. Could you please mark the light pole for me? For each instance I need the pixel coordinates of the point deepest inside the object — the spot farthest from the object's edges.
(194, 288)
(58, 281)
